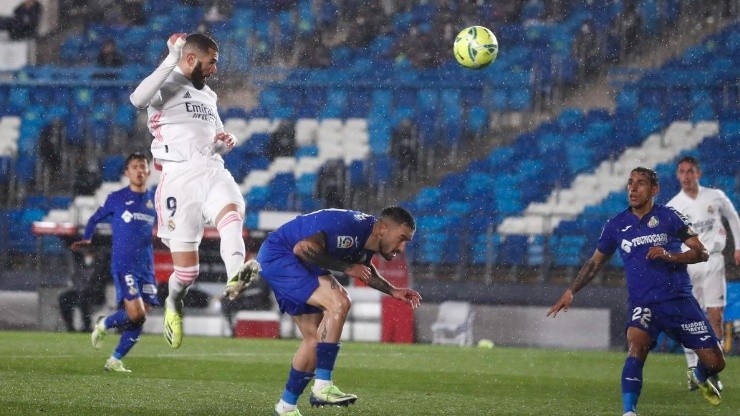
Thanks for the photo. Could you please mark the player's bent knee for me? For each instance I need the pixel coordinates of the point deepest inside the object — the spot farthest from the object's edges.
(714, 361)
(340, 305)
(719, 365)
(137, 316)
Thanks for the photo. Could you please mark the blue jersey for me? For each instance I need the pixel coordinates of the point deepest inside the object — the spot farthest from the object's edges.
(649, 280)
(345, 234)
(292, 279)
(132, 217)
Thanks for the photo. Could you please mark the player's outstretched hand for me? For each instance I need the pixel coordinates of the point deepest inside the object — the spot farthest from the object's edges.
(360, 272)
(562, 304)
(175, 44)
(408, 296)
(79, 244)
(228, 139)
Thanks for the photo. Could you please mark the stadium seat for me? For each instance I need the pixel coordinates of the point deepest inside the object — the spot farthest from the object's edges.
(513, 251)
(454, 324)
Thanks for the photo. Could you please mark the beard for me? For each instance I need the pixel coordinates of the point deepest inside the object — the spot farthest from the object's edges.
(197, 77)
(386, 253)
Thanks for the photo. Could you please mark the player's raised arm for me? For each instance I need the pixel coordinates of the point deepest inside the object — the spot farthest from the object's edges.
(147, 89)
(588, 271)
(312, 250)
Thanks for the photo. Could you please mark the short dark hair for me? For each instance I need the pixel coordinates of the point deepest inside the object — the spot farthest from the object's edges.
(691, 160)
(135, 156)
(399, 215)
(651, 174)
(201, 42)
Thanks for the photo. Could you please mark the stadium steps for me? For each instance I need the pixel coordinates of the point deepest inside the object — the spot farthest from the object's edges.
(651, 54)
(600, 93)
(609, 176)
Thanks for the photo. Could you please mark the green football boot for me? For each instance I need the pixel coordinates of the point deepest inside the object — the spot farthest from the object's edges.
(331, 396)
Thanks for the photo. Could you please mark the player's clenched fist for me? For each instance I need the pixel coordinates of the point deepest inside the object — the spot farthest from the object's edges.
(227, 138)
(175, 43)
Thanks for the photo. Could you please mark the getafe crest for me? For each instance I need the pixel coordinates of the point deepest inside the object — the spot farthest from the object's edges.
(653, 222)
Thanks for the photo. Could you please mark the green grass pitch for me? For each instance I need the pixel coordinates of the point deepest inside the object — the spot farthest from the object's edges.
(60, 374)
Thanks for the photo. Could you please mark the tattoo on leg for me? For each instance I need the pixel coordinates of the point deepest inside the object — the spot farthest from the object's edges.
(323, 333)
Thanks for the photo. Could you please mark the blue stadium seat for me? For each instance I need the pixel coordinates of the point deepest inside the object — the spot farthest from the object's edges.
(567, 250)
(258, 198)
(113, 167)
(520, 99)
(306, 184)
(477, 120)
(513, 251)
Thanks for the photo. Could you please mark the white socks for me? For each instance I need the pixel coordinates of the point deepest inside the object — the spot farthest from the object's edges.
(320, 384)
(232, 243)
(283, 407)
(180, 281)
(691, 358)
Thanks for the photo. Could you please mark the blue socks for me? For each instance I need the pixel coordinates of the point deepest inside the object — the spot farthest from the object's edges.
(129, 337)
(297, 382)
(326, 356)
(117, 319)
(701, 372)
(631, 383)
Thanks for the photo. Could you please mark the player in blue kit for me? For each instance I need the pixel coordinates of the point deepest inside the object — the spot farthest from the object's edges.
(296, 260)
(132, 216)
(648, 237)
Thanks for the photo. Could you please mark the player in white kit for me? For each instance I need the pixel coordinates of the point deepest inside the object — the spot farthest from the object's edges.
(194, 189)
(705, 208)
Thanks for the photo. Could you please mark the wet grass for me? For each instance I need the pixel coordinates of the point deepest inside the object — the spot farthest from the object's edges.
(60, 374)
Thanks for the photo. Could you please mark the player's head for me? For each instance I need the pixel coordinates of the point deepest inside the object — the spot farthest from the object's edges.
(642, 186)
(136, 169)
(396, 227)
(199, 55)
(688, 173)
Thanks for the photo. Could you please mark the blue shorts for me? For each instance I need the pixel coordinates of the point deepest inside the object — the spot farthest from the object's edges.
(681, 319)
(292, 280)
(130, 286)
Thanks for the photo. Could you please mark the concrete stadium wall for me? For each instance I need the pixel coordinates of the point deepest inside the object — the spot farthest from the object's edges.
(514, 313)
(527, 326)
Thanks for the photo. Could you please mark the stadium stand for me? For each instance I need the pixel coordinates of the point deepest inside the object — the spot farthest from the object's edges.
(492, 212)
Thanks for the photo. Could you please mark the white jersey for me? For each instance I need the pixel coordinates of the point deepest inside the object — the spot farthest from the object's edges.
(705, 213)
(183, 120)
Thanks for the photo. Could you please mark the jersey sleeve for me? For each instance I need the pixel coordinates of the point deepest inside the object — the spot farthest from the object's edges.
(680, 225)
(219, 124)
(728, 211)
(607, 244)
(147, 92)
(102, 213)
(336, 228)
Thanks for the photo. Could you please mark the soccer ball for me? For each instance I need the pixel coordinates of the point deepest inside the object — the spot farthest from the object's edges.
(485, 343)
(475, 47)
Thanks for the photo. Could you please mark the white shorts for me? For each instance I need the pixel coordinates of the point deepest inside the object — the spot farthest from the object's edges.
(191, 195)
(708, 279)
